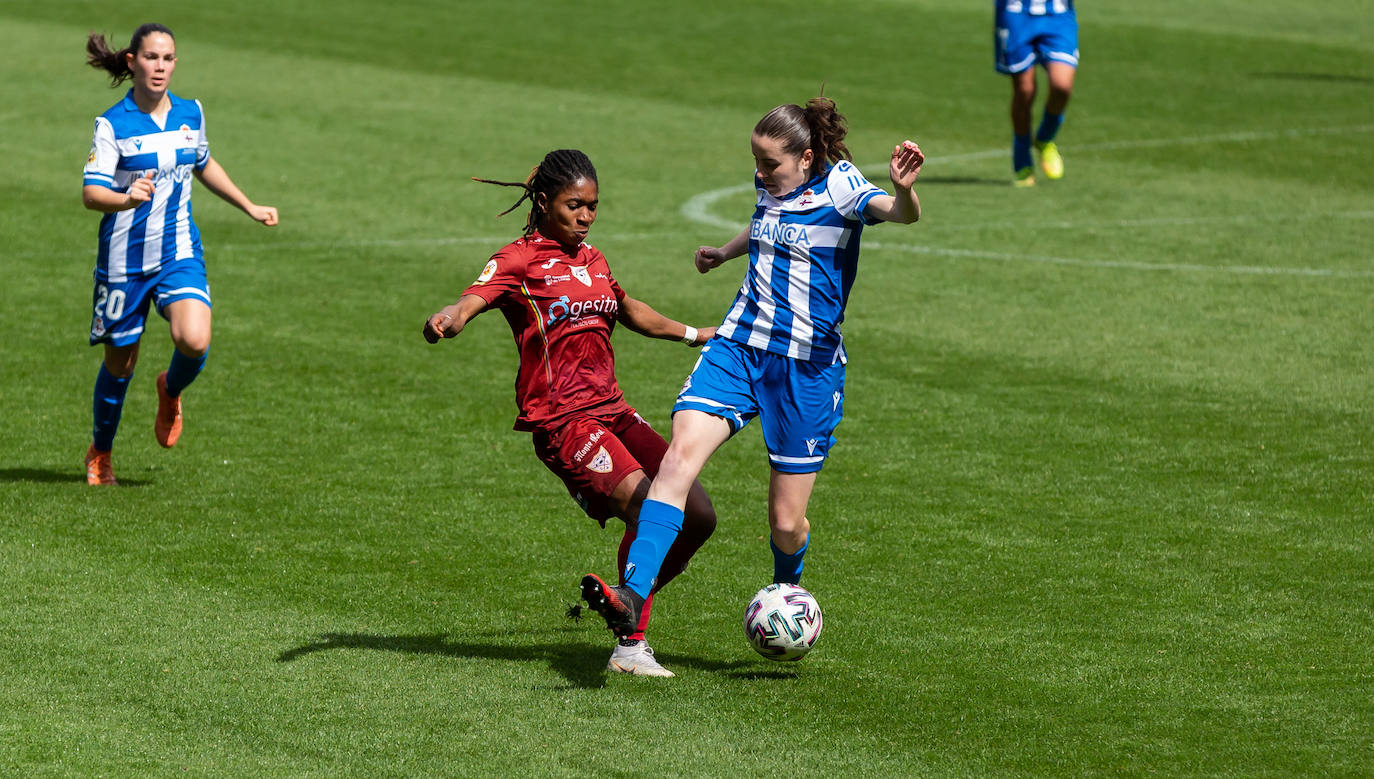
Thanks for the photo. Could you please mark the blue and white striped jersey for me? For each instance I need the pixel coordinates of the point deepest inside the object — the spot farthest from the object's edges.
(127, 145)
(803, 256)
(1034, 7)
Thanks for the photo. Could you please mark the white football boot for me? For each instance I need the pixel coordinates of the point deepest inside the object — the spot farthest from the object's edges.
(635, 657)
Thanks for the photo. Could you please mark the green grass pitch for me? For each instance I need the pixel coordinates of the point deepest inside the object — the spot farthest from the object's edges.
(1101, 503)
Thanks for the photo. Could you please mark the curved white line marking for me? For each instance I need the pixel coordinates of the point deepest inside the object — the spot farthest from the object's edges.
(698, 209)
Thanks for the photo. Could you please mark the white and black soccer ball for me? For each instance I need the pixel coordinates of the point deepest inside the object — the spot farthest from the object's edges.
(782, 622)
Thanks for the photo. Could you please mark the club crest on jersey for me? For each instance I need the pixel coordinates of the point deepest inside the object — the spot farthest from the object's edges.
(487, 272)
(601, 463)
(807, 198)
(187, 134)
(581, 275)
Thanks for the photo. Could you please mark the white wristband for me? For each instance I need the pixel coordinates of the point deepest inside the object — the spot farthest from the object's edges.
(690, 337)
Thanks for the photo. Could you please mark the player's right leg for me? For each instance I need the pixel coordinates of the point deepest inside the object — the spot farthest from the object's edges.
(119, 312)
(1022, 98)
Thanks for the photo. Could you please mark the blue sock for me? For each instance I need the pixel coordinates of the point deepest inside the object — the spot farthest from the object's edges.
(1020, 152)
(108, 405)
(659, 524)
(1049, 125)
(183, 371)
(787, 568)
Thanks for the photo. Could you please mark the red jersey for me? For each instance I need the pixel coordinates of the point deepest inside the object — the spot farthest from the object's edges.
(561, 309)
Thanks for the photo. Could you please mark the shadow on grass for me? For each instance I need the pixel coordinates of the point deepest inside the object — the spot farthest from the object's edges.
(51, 476)
(583, 665)
(1348, 78)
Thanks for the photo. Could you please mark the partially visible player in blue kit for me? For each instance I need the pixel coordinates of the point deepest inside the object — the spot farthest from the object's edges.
(144, 153)
(1030, 33)
(778, 355)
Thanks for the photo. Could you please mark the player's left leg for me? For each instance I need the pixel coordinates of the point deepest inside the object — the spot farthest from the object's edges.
(802, 402)
(1061, 87)
(187, 309)
(789, 529)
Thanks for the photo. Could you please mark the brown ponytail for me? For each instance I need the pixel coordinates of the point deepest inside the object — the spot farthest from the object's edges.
(818, 127)
(100, 56)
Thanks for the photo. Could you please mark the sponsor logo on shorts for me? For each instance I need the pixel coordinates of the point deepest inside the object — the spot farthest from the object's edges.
(587, 447)
(835, 403)
(601, 463)
(811, 445)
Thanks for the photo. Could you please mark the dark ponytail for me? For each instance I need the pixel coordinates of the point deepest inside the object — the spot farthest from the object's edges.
(818, 127)
(559, 169)
(116, 63)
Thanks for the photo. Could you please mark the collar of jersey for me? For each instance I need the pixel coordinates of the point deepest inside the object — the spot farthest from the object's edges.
(130, 105)
(544, 240)
(808, 184)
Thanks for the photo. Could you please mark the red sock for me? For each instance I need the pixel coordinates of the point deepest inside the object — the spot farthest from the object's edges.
(621, 556)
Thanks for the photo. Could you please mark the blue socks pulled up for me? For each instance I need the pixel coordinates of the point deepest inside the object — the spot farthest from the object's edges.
(659, 524)
(1049, 125)
(1020, 152)
(183, 371)
(787, 568)
(107, 407)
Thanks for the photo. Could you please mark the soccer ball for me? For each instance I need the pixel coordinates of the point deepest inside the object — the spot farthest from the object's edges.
(782, 622)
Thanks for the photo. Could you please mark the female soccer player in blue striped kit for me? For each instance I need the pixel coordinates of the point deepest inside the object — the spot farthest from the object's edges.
(779, 354)
(145, 150)
(1030, 33)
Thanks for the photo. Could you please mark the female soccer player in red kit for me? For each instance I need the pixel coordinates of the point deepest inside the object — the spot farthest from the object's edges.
(561, 301)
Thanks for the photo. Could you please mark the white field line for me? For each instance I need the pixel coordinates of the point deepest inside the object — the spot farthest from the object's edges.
(1251, 270)
(698, 209)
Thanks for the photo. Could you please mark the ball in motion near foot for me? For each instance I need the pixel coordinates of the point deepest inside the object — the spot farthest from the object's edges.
(782, 622)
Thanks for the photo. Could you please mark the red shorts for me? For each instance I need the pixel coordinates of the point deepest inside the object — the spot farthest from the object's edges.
(592, 455)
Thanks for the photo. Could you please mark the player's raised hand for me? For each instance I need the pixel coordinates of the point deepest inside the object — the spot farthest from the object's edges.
(708, 258)
(907, 160)
(141, 191)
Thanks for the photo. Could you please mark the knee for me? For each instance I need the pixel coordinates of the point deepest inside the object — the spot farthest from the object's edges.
(700, 519)
(193, 344)
(794, 526)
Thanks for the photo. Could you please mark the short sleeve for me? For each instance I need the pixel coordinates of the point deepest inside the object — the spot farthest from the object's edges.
(203, 145)
(104, 156)
(502, 276)
(850, 191)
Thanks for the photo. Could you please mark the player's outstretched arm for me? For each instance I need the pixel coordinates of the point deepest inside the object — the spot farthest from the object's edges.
(903, 207)
(217, 181)
(451, 320)
(710, 257)
(643, 319)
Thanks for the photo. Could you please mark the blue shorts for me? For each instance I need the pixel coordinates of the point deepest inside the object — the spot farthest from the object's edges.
(120, 308)
(1023, 41)
(799, 402)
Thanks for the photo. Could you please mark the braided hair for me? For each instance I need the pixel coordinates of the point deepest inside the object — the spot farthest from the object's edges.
(99, 55)
(818, 127)
(559, 169)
